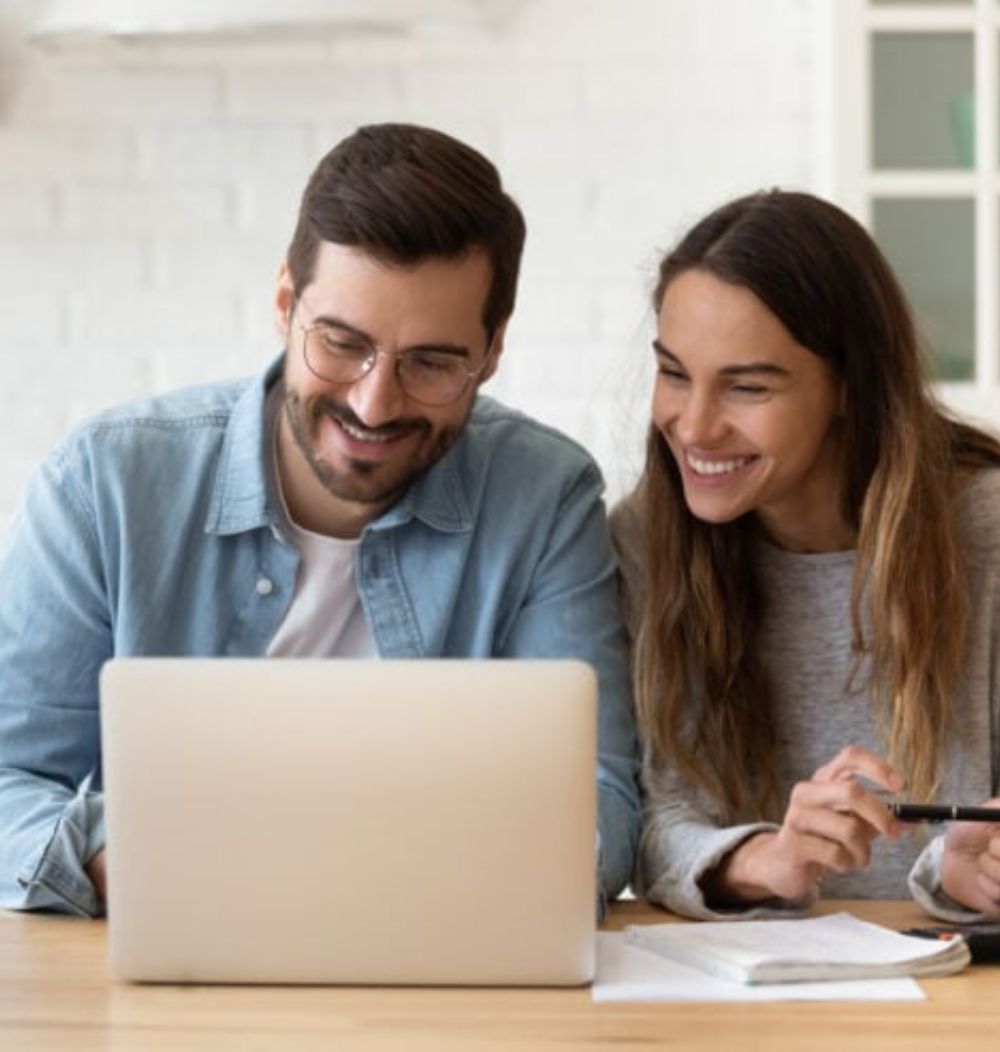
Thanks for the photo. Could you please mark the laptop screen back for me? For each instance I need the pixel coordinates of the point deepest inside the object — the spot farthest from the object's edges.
(318, 821)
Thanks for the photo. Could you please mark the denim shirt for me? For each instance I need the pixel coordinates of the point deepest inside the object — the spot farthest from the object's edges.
(154, 530)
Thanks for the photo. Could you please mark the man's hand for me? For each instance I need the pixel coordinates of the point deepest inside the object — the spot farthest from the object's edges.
(97, 874)
(970, 865)
(829, 826)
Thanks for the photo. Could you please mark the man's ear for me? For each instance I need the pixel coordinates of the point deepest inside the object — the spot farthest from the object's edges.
(284, 303)
(494, 352)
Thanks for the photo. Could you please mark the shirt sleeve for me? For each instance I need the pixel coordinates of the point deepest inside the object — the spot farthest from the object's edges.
(572, 611)
(54, 636)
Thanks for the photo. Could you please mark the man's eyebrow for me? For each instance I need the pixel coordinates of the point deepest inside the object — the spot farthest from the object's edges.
(331, 321)
(744, 369)
(457, 350)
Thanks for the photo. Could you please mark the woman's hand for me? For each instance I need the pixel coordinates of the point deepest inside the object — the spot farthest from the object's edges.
(829, 826)
(970, 865)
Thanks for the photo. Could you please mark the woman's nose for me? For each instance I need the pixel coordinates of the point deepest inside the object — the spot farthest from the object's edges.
(699, 422)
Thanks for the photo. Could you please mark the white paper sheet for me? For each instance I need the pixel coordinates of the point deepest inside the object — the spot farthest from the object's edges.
(627, 973)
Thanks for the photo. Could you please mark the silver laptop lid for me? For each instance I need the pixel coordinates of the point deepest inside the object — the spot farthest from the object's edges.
(324, 821)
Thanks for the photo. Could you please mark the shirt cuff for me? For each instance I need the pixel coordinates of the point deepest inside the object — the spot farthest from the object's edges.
(56, 878)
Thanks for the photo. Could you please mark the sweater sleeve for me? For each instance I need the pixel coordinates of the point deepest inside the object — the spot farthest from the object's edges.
(980, 524)
(682, 843)
(925, 886)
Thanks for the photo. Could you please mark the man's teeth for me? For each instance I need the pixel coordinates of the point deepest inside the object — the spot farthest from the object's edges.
(365, 436)
(715, 467)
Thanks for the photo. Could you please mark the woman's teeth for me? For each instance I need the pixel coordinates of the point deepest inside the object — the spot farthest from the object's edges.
(715, 467)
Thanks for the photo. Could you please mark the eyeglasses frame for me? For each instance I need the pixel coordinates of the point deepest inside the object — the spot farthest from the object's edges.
(370, 362)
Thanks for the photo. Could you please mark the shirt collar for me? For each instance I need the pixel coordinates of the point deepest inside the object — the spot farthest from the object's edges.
(438, 498)
(244, 498)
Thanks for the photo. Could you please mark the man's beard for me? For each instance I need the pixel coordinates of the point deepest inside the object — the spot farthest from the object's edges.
(357, 484)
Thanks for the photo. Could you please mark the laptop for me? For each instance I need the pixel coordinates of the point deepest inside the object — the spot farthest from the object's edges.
(364, 822)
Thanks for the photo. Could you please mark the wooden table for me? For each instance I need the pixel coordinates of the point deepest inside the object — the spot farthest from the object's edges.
(55, 994)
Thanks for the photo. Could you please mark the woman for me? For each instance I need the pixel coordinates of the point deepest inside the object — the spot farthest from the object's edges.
(811, 567)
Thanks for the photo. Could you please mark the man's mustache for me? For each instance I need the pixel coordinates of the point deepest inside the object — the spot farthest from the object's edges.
(345, 415)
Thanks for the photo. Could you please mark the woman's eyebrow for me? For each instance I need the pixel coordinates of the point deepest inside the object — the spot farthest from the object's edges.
(766, 368)
(743, 369)
(658, 348)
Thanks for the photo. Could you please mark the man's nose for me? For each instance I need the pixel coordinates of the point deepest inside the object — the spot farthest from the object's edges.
(378, 398)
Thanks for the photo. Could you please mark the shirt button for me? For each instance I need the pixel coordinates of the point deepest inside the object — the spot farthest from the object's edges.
(264, 586)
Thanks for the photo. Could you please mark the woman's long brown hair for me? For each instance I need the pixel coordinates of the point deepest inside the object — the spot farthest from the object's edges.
(702, 696)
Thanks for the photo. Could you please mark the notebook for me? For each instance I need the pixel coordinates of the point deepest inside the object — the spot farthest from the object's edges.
(322, 821)
(839, 946)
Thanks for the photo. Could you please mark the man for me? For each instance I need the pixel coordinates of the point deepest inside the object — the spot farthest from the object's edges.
(358, 499)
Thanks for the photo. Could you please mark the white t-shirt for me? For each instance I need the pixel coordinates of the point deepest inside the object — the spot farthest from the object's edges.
(325, 617)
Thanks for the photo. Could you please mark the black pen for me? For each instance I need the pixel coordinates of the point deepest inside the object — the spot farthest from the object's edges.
(944, 813)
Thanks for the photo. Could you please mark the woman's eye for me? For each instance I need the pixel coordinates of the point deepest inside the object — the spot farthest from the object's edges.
(749, 389)
(671, 373)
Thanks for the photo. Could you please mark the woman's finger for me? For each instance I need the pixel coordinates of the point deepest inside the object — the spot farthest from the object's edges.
(989, 866)
(854, 761)
(990, 888)
(846, 831)
(846, 797)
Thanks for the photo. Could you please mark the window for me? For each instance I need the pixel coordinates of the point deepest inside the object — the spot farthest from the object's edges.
(917, 108)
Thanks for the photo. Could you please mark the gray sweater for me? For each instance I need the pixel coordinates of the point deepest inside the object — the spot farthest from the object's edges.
(805, 642)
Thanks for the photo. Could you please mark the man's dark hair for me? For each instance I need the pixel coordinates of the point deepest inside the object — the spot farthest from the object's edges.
(404, 194)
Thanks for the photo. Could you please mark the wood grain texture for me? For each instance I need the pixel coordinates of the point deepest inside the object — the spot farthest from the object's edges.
(55, 994)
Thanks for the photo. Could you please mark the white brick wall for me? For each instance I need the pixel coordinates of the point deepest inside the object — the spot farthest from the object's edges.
(147, 191)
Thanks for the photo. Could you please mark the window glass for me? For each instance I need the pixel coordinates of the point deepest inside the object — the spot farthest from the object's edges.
(930, 242)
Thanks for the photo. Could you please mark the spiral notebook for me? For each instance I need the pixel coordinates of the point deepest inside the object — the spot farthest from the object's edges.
(836, 947)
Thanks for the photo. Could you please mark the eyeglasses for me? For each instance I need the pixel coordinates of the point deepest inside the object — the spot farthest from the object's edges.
(428, 376)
